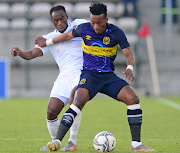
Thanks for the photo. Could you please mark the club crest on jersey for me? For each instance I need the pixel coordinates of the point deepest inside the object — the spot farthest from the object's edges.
(88, 37)
(106, 40)
(82, 81)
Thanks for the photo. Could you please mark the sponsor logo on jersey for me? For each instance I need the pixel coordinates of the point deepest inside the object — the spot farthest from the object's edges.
(88, 37)
(99, 51)
(106, 40)
(82, 81)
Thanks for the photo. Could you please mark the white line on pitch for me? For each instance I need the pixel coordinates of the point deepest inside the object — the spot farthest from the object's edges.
(168, 103)
(91, 139)
(21, 139)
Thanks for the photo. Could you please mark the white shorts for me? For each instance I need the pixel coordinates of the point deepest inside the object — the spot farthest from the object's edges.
(64, 84)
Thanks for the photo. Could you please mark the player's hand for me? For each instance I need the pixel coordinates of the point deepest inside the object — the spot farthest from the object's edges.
(15, 51)
(129, 75)
(40, 41)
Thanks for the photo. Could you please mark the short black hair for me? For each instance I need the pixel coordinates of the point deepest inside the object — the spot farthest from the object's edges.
(57, 8)
(98, 8)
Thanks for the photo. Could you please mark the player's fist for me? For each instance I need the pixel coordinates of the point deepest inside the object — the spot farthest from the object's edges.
(40, 41)
(15, 51)
(129, 75)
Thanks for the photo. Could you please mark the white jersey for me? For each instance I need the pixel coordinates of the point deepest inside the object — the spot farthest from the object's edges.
(68, 55)
(69, 58)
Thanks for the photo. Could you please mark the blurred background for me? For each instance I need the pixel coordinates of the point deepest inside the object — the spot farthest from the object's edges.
(156, 48)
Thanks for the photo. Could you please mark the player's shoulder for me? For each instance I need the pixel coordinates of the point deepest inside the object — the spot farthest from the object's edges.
(113, 27)
(82, 26)
(77, 21)
(85, 25)
(51, 34)
(116, 31)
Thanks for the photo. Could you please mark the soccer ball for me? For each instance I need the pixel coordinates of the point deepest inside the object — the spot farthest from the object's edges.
(104, 142)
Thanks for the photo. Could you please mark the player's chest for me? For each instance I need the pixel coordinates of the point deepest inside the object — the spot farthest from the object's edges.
(104, 40)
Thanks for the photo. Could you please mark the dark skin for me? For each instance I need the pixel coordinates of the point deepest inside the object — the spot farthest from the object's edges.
(59, 20)
(81, 96)
(126, 94)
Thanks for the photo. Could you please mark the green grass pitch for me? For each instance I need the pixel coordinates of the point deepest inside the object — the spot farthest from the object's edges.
(23, 125)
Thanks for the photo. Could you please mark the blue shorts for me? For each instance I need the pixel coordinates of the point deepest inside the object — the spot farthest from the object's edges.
(104, 82)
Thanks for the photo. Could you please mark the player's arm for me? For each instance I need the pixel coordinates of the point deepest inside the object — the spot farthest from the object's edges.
(42, 42)
(62, 38)
(130, 64)
(27, 55)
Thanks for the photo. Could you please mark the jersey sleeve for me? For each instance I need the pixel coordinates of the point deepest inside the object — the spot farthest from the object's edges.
(47, 36)
(122, 40)
(77, 31)
(43, 49)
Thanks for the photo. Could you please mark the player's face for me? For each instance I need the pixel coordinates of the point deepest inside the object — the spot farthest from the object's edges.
(59, 19)
(98, 22)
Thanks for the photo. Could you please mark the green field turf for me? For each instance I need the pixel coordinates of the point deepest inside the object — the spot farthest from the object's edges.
(23, 124)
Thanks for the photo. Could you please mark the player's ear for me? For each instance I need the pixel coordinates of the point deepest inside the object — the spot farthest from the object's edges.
(67, 16)
(106, 20)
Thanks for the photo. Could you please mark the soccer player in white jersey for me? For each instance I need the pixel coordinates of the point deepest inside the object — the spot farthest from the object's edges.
(70, 65)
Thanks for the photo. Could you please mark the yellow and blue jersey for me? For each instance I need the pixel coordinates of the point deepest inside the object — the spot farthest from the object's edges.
(100, 50)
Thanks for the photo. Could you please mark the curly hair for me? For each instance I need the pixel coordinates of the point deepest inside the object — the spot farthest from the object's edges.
(98, 8)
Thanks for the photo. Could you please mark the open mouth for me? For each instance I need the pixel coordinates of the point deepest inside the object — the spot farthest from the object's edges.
(97, 31)
(60, 28)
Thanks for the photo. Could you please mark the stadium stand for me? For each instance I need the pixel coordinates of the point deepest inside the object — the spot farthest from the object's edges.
(119, 10)
(39, 23)
(18, 23)
(35, 15)
(4, 8)
(111, 8)
(132, 38)
(112, 20)
(4, 23)
(67, 5)
(128, 24)
(23, 21)
(82, 8)
(40, 8)
(19, 8)
(149, 10)
(130, 8)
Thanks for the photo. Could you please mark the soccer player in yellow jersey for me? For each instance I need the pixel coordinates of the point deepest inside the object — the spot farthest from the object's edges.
(100, 40)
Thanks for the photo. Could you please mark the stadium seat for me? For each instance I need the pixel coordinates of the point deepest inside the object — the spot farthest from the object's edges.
(4, 23)
(119, 10)
(128, 24)
(19, 23)
(68, 6)
(110, 8)
(112, 21)
(41, 23)
(82, 9)
(4, 8)
(19, 8)
(130, 7)
(40, 8)
(132, 38)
